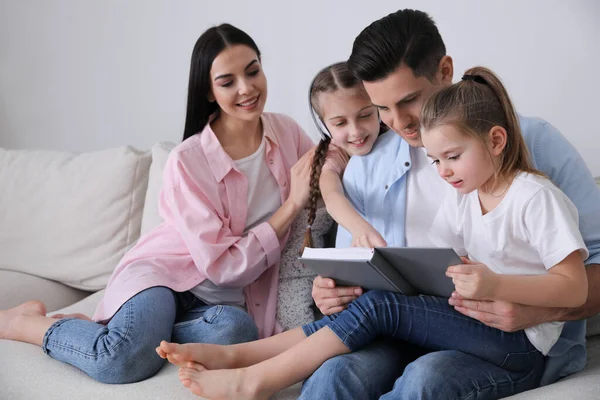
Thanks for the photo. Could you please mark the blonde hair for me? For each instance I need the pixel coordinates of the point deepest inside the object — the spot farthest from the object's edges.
(474, 106)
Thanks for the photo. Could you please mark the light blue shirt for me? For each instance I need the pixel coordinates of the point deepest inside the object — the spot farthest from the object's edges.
(376, 186)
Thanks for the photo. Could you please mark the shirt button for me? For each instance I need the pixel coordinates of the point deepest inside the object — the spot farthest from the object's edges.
(406, 164)
(284, 183)
(257, 304)
(271, 161)
(386, 186)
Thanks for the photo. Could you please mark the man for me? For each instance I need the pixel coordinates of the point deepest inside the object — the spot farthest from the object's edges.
(401, 60)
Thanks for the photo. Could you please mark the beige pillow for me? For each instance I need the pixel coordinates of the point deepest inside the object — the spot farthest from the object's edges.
(160, 154)
(70, 217)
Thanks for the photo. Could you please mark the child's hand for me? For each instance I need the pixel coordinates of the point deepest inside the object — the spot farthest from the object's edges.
(473, 280)
(369, 238)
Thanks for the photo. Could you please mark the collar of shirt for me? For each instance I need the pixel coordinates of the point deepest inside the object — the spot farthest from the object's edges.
(218, 160)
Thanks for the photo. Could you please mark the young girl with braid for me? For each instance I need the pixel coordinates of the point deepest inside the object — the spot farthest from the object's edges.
(519, 230)
(349, 125)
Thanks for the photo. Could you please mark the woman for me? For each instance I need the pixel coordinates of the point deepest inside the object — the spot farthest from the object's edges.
(230, 193)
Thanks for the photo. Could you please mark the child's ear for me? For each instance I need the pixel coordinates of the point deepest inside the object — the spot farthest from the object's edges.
(497, 140)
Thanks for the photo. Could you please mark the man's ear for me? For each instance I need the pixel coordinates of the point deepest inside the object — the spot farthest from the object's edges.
(497, 139)
(445, 71)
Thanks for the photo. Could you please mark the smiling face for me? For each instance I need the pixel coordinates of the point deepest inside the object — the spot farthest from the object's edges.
(399, 97)
(238, 84)
(350, 118)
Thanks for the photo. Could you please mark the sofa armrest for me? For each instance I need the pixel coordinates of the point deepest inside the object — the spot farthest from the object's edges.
(17, 287)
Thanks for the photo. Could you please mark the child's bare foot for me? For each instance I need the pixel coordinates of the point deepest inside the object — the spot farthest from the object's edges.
(230, 384)
(7, 317)
(211, 356)
(76, 315)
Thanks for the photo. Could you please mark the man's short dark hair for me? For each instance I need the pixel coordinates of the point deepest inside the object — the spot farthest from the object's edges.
(406, 36)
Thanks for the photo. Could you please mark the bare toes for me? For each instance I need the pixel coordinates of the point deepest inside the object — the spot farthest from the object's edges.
(196, 389)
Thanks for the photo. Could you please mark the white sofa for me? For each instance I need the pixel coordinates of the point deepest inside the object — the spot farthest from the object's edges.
(65, 221)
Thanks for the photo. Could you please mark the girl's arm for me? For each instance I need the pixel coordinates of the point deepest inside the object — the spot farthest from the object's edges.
(549, 225)
(340, 209)
(565, 285)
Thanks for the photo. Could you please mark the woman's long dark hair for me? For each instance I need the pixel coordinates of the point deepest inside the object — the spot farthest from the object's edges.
(207, 48)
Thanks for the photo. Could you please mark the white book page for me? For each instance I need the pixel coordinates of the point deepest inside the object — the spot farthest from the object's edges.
(350, 253)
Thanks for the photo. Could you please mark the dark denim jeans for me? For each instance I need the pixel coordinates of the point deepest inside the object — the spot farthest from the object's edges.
(465, 359)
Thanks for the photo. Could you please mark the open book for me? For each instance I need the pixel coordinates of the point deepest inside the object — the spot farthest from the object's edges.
(410, 271)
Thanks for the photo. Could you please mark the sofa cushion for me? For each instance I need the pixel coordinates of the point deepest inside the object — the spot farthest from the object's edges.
(54, 380)
(70, 217)
(582, 385)
(593, 323)
(26, 373)
(17, 287)
(150, 217)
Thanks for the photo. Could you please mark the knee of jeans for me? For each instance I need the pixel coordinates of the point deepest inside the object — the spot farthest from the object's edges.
(334, 379)
(332, 370)
(371, 297)
(127, 365)
(423, 376)
(237, 325)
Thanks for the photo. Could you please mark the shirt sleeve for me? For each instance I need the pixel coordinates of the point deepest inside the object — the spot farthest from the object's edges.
(353, 187)
(222, 257)
(561, 162)
(551, 222)
(446, 230)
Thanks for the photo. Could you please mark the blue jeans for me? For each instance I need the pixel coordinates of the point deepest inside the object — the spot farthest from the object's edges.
(466, 359)
(123, 351)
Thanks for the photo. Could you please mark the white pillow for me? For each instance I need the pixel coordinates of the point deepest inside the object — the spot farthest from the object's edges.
(70, 217)
(160, 154)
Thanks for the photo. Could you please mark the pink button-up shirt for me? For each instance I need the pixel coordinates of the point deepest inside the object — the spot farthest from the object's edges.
(203, 203)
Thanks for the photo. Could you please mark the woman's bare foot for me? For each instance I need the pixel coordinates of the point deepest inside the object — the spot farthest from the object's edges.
(75, 315)
(211, 356)
(231, 384)
(7, 317)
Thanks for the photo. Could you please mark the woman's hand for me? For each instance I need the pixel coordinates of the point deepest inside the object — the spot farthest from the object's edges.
(300, 180)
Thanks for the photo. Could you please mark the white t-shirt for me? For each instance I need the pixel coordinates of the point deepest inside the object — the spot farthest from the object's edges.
(534, 227)
(264, 198)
